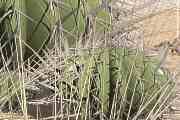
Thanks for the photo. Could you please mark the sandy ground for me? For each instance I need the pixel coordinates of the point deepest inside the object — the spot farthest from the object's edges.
(159, 26)
(157, 30)
(165, 28)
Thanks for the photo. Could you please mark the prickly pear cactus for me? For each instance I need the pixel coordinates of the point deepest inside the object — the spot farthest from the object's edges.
(75, 17)
(142, 82)
(6, 40)
(32, 21)
(36, 28)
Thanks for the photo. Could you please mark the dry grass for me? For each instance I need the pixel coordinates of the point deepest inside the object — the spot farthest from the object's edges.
(157, 28)
(155, 31)
(12, 116)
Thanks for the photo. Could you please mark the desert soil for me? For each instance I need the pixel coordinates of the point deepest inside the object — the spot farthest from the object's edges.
(158, 27)
(156, 30)
(164, 29)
